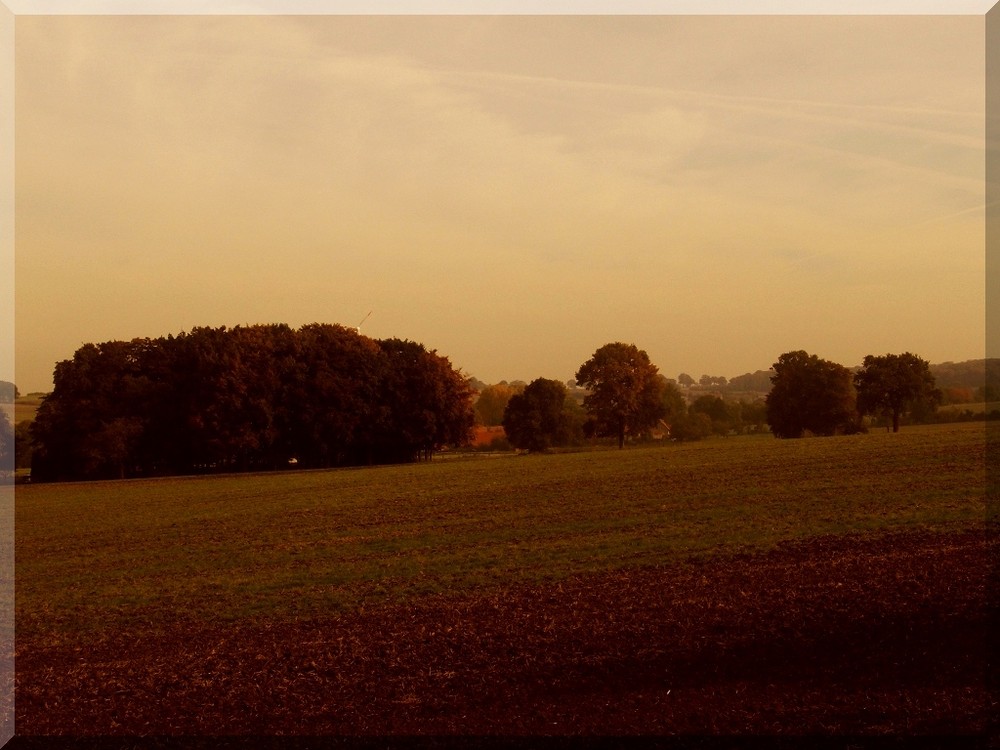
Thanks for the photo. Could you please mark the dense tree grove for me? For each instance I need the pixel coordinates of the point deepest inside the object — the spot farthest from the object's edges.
(257, 397)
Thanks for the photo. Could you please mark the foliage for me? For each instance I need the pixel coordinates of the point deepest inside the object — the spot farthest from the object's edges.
(759, 381)
(753, 415)
(424, 403)
(491, 403)
(812, 395)
(691, 426)
(246, 398)
(954, 395)
(973, 373)
(709, 380)
(710, 414)
(541, 417)
(891, 384)
(674, 403)
(988, 392)
(23, 445)
(626, 394)
(723, 417)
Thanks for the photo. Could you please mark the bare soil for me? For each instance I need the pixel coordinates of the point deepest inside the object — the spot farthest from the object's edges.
(846, 635)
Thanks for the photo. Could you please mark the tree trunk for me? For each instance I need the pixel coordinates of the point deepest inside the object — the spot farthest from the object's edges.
(621, 434)
(895, 420)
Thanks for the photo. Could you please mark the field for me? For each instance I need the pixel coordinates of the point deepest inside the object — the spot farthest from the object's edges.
(742, 585)
(23, 409)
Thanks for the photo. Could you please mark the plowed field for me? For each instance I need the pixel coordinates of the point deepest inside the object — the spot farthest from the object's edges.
(862, 634)
(836, 586)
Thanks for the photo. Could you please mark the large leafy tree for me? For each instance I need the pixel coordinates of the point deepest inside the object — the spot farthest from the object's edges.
(335, 402)
(625, 393)
(891, 384)
(425, 403)
(540, 417)
(810, 394)
(92, 424)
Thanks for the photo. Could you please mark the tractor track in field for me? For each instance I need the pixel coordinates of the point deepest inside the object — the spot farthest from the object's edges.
(847, 635)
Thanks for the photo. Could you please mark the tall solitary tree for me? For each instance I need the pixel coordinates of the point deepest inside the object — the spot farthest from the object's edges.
(626, 394)
(810, 394)
(892, 384)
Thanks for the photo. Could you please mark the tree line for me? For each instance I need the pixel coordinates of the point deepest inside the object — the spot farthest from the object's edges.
(266, 397)
(247, 398)
(627, 397)
(624, 397)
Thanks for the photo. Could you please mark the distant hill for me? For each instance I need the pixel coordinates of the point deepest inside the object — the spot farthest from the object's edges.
(973, 373)
(759, 381)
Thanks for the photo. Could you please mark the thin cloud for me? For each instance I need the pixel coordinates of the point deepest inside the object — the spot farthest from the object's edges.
(787, 109)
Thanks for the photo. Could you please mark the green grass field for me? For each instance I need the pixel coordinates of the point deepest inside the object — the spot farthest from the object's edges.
(301, 544)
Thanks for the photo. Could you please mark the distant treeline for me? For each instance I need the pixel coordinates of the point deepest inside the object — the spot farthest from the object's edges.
(247, 398)
(759, 382)
(981, 377)
(963, 382)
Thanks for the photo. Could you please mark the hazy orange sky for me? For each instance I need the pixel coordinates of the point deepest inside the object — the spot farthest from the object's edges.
(512, 191)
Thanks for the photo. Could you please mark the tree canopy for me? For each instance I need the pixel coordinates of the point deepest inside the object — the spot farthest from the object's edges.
(541, 417)
(625, 393)
(810, 394)
(492, 402)
(891, 384)
(256, 397)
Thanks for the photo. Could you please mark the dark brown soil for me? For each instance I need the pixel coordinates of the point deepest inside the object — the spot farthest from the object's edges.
(845, 635)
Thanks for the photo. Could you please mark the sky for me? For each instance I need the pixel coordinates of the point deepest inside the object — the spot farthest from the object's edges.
(512, 191)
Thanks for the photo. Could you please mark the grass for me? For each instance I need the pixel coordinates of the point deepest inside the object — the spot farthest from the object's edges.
(24, 408)
(300, 544)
